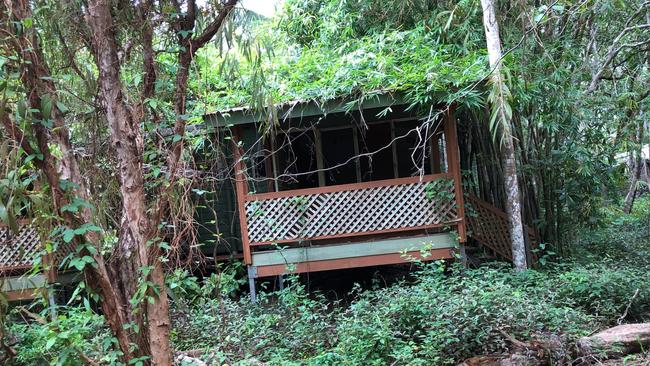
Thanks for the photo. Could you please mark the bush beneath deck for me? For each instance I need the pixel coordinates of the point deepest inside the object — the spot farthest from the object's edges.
(439, 316)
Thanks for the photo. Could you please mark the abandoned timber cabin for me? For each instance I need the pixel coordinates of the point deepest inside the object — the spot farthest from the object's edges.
(328, 188)
(323, 187)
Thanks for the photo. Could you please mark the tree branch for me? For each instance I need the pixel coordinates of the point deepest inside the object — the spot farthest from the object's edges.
(213, 27)
(614, 50)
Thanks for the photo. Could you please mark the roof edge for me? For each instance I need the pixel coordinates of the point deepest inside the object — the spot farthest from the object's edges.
(303, 108)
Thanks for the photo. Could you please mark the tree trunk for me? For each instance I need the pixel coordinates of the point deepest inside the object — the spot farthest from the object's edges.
(35, 76)
(513, 202)
(635, 173)
(132, 257)
(636, 166)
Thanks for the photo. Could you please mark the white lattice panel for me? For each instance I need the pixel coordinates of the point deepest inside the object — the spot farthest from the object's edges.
(364, 210)
(18, 250)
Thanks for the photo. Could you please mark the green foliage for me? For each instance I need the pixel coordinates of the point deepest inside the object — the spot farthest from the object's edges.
(75, 330)
(292, 326)
(429, 56)
(606, 291)
(445, 318)
(440, 190)
(440, 317)
(616, 238)
(15, 182)
(186, 289)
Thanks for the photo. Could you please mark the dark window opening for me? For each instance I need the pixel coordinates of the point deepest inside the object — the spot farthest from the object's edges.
(331, 156)
(375, 141)
(297, 160)
(412, 149)
(339, 154)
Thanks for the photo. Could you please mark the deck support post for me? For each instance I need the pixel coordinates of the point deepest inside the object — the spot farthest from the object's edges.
(52, 302)
(463, 255)
(251, 284)
(281, 282)
(49, 271)
(435, 153)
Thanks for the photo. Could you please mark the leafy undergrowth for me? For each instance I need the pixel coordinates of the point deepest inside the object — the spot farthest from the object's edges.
(440, 316)
(441, 319)
(444, 316)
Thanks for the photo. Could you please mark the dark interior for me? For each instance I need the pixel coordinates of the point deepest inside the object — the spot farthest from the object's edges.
(297, 156)
(387, 150)
(378, 164)
(339, 156)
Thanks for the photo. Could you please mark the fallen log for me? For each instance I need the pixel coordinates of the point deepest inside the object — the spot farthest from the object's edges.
(616, 342)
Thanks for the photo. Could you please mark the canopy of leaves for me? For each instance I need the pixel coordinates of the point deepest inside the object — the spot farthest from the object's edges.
(319, 50)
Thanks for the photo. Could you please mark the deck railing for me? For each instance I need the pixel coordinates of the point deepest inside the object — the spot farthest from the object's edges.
(349, 210)
(17, 250)
(490, 227)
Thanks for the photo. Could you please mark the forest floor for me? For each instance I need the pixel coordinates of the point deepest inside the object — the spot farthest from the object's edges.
(439, 314)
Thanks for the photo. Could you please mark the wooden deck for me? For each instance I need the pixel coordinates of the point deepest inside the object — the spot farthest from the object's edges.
(349, 210)
(346, 217)
(353, 254)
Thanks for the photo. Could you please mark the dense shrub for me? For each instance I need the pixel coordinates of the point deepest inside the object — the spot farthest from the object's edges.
(439, 316)
(606, 291)
(75, 330)
(293, 325)
(445, 316)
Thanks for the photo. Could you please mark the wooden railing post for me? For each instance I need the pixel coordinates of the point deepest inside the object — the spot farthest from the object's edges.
(453, 162)
(241, 188)
(435, 154)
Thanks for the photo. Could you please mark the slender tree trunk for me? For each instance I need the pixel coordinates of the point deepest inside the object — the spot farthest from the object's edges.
(36, 77)
(132, 256)
(636, 167)
(513, 202)
(635, 173)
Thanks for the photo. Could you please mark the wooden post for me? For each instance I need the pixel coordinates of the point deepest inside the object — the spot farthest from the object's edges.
(268, 165)
(274, 161)
(394, 150)
(241, 187)
(435, 154)
(357, 161)
(453, 162)
(320, 163)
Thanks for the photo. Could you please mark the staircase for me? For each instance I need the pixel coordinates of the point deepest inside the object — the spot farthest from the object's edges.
(488, 225)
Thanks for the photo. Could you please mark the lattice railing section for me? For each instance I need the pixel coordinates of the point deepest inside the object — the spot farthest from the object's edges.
(352, 211)
(489, 226)
(17, 251)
